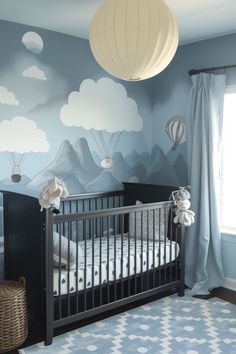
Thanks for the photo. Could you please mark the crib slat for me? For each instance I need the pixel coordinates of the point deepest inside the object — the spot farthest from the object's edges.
(171, 230)
(115, 231)
(85, 264)
(159, 244)
(68, 269)
(147, 253)
(100, 259)
(128, 263)
(108, 258)
(176, 260)
(96, 204)
(77, 206)
(135, 252)
(153, 248)
(141, 256)
(59, 288)
(122, 254)
(77, 265)
(165, 230)
(92, 237)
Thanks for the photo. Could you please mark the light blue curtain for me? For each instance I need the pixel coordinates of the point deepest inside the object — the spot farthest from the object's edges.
(204, 269)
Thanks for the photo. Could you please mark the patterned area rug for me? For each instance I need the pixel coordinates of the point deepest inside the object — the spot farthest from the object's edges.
(169, 325)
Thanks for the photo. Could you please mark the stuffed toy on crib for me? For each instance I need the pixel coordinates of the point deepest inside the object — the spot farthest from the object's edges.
(51, 194)
(182, 213)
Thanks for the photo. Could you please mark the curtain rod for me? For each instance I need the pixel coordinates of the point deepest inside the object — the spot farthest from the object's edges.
(198, 71)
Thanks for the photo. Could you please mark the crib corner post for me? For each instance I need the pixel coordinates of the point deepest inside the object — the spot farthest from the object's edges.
(182, 231)
(49, 336)
(49, 301)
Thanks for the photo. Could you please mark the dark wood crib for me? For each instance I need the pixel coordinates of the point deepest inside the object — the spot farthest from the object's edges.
(101, 252)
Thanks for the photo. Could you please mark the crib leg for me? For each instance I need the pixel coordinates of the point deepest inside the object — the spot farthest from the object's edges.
(181, 290)
(49, 336)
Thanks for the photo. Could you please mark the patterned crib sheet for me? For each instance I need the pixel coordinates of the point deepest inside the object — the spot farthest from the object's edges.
(115, 265)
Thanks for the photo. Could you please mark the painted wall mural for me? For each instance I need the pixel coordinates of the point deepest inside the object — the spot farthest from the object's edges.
(110, 113)
(19, 137)
(176, 131)
(60, 119)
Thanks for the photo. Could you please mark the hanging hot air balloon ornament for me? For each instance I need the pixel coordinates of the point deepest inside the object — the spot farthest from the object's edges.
(176, 131)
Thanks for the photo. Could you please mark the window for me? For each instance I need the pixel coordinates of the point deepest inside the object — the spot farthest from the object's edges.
(228, 172)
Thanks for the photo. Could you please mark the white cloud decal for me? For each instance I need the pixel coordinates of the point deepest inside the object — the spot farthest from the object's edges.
(101, 105)
(33, 72)
(33, 42)
(22, 135)
(7, 97)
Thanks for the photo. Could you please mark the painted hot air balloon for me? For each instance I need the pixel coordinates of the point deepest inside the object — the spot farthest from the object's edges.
(106, 143)
(176, 131)
(17, 160)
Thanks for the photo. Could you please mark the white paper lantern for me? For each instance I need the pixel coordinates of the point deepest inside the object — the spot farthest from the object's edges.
(133, 39)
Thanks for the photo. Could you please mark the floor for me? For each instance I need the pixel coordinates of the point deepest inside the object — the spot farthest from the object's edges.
(35, 336)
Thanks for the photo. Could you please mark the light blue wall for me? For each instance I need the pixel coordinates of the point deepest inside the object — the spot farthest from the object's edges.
(170, 95)
(66, 61)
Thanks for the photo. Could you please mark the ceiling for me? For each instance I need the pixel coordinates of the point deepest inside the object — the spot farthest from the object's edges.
(197, 19)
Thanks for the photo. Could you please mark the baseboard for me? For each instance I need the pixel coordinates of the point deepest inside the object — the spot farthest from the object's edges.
(229, 283)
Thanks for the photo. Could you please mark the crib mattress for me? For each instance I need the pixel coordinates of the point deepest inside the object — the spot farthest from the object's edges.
(115, 266)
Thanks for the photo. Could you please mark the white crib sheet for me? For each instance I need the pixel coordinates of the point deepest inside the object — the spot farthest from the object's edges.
(168, 250)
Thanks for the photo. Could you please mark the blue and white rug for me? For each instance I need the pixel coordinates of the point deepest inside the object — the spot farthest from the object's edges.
(169, 325)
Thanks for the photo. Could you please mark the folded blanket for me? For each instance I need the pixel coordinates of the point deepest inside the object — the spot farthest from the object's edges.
(64, 255)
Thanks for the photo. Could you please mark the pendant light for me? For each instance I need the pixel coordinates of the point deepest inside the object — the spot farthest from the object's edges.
(133, 39)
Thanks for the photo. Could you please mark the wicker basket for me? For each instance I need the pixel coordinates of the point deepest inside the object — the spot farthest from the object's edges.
(13, 315)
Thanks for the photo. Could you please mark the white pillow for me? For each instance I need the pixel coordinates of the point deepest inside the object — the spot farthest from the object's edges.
(160, 231)
(64, 252)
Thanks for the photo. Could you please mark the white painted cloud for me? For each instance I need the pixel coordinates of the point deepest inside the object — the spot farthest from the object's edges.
(22, 135)
(7, 97)
(33, 42)
(33, 72)
(101, 105)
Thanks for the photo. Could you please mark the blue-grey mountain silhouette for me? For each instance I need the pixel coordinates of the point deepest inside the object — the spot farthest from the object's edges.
(104, 182)
(66, 165)
(144, 158)
(139, 171)
(180, 150)
(161, 171)
(180, 167)
(85, 158)
(120, 170)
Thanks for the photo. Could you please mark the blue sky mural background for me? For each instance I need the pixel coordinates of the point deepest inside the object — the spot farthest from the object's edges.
(40, 69)
(66, 62)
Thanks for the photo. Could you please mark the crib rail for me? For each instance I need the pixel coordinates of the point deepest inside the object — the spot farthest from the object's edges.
(117, 258)
(91, 201)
